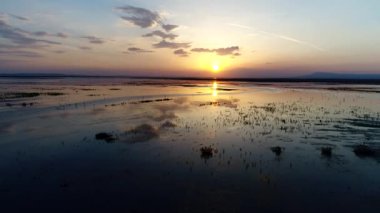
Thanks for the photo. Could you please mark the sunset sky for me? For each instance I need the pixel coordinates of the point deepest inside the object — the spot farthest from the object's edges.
(241, 38)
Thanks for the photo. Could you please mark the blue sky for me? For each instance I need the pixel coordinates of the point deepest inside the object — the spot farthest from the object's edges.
(241, 38)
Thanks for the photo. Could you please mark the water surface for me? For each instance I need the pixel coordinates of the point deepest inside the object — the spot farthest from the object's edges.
(188, 146)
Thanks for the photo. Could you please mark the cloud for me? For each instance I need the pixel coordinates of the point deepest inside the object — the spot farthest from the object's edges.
(202, 50)
(140, 17)
(21, 18)
(138, 50)
(20, 53)
(94, 40)
(7, 46)
(85, 48)
(161, 34)
(233, 50)
(20, 36)
(181, 53)
(171, 45)
(168, 27)
(59, 51)
(43, 34)
(61, 35)
(40, 33)
(227, 51)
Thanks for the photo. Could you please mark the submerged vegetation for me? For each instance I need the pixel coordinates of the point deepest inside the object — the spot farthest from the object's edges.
(277, 150)
(108, 137)
(206, 152)
(16, 95)
(326, 151)
(364, 151)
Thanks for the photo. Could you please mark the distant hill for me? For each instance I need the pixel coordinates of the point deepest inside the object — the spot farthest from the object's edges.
(32, 75)
(327, 75)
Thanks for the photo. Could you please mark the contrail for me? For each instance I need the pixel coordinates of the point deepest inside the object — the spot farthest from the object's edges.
(283, 37)
(240, 26)
(292, 40)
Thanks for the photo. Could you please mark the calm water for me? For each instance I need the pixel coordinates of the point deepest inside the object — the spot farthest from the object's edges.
(188, 146)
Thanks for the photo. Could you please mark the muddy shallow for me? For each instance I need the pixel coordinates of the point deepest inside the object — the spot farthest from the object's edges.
(188, 146)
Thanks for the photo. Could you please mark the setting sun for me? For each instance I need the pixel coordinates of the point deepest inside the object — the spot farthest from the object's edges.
(215, 68)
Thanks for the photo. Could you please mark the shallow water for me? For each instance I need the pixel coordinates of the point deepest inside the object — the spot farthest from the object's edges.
(188, 146)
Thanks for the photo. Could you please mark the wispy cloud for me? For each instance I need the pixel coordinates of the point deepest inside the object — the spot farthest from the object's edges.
(20, 53)
(161, 34)
(181, 53)
(227, 51)
(44, 34)
(85, 48)
(202, 50)
(144, 18)
(94, 39)
(274, 35)
(40, 33)
(141, 17)
(233, 50)
(59, 51)
(171, 45)
(138, 50)
(168, 27)
(19, 36)
(21, 18)
(61, 35)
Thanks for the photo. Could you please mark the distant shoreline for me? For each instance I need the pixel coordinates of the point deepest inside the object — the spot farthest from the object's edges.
(259, 80)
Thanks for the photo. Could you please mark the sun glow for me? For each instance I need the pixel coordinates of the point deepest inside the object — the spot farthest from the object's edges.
(215, 67)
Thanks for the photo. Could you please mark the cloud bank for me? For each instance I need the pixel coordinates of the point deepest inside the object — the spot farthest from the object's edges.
(19, 36)
(233, 50)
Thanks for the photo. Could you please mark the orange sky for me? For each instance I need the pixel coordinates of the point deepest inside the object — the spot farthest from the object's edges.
(166, 38)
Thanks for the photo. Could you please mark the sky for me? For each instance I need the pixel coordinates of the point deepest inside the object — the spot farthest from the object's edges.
(198, 38)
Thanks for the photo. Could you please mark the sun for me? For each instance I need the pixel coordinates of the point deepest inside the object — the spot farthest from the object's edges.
(215, 67)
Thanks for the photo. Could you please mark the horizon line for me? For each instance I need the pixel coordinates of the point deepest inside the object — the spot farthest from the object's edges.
(241, 79)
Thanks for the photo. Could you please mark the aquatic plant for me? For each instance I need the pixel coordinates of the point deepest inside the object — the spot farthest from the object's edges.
(277, 150)
(168, 124)
(363, 150)
(54, 93)
(109, 138)
(14, 95)
(326, 151)
(206, 152)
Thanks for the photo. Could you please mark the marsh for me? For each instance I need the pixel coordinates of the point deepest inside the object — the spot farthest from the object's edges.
(117, 144)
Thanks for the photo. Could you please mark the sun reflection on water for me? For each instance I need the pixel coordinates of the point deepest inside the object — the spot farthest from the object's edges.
(215, 89)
